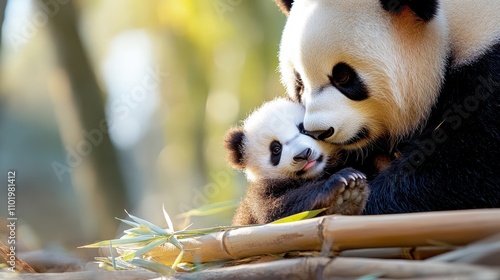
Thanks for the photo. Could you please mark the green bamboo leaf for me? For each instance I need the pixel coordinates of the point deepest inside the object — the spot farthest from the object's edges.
(113, 261)
(150, 225)
(184, 229)
(138, 231)
(123, 241)
(176, 243)
(205, 231)
(162, 269)
(178, 259)
(130, 223)
(132, 235)
(186, 267)
(210, 209)
(167, 218)
(300, 216)
(106, 263)
(145, 249)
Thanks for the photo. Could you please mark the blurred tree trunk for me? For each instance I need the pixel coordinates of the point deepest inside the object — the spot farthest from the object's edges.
(3, 5)
(108, 192)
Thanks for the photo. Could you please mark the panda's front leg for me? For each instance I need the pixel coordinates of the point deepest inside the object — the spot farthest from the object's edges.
(344, 192)
(348, 192)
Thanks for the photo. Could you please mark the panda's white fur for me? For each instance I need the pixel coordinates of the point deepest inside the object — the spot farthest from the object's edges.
(278, 120)
(386, 51)
(465, 18)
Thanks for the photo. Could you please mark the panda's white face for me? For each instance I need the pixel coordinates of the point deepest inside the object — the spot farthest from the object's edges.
(361, 70)
(275, 148)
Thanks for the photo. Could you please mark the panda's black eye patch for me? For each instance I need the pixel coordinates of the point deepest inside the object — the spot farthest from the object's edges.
(347, 81)
(275, 148)
(301, 128)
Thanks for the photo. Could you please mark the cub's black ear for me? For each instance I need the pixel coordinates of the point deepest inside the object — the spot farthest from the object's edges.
(424, 9)
(285, 5)
(233, 142)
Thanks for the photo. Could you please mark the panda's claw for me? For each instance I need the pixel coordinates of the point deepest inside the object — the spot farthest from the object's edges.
(343, 181)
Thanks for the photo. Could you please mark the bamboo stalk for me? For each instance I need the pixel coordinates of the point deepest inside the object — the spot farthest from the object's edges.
(344, 232)
(300, 268)
(409, 253)
(344, 268)
(83, 275)
(484, 252)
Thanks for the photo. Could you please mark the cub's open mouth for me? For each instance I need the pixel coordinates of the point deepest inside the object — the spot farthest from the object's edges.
(310, 164)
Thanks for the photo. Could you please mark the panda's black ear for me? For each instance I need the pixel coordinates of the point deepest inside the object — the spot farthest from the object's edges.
(424, 9)
(233, 142)
(284, 5)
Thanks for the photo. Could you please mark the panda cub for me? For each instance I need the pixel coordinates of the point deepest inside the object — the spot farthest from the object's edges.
(288, 171)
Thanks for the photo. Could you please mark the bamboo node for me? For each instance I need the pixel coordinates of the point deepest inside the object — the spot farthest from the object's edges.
(224, 246)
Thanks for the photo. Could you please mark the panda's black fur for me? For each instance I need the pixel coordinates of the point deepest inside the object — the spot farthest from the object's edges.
(425, 10)
(453, 161)
(268, 200)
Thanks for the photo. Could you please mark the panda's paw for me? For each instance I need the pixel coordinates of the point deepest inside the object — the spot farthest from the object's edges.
(349, 192)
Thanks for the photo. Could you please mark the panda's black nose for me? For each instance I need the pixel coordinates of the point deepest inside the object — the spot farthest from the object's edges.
(321, 134)
(304, 155)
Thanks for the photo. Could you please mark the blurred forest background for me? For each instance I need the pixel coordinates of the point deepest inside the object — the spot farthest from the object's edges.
(108, 105)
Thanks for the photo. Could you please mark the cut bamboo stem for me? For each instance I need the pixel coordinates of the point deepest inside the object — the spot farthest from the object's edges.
(83, 275)
(343, 232)
(344, 268)
(408, 253)
(484, 252)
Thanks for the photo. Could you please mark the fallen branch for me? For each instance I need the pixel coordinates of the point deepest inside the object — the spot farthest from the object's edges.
(343, 232)
(20, 265)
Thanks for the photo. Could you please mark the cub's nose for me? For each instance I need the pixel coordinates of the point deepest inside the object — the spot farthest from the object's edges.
(304, 155)
(321, 134)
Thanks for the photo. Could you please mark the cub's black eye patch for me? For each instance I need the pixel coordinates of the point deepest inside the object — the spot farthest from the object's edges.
(347, 81)
(299, 87)
(275, 148)
(301, 128)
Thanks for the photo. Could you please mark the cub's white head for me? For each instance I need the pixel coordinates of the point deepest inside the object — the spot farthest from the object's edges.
(270, 144)
(363, 69)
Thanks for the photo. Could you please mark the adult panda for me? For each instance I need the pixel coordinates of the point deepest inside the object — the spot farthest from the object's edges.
(422, 77)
